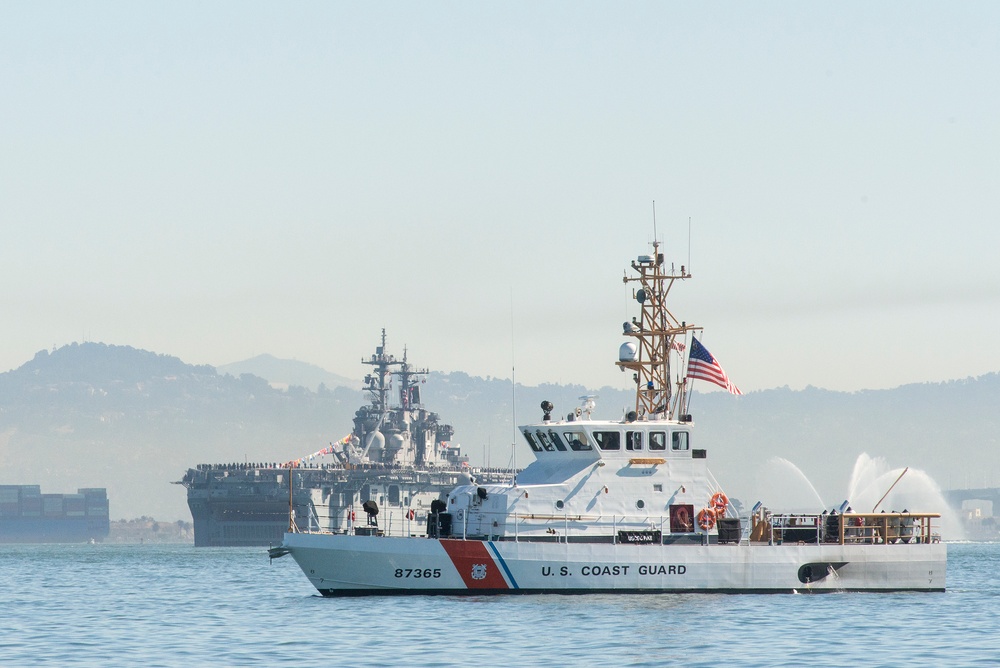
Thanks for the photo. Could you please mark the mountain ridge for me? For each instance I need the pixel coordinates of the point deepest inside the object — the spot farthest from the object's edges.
(284, 373)
(133, 421)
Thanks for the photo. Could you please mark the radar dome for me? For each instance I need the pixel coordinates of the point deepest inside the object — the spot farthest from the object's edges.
(629, 352)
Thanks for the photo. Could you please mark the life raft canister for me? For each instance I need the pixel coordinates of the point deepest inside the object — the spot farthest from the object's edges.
(706, 518)
(719, 503)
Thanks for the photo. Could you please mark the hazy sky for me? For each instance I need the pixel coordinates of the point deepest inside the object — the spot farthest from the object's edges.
(219, 180)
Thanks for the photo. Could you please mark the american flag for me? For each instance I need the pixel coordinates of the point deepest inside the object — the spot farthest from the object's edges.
(702, 366)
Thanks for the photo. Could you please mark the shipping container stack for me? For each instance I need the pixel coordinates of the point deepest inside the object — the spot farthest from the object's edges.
(28, 516)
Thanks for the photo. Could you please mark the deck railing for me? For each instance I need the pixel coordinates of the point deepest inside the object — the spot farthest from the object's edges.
(843, 529)
(852, 528)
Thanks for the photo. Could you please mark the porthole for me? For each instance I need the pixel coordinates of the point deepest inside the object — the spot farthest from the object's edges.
(640, 504)
(559, 504)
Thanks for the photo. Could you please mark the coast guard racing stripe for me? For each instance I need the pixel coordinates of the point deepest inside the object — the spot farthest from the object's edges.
(474, 564)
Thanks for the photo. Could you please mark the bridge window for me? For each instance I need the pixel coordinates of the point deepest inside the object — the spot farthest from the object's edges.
(577, 441)
(531, 441)
(633, 440)
(679, 441)
(543, 438)
(657, 440)
(556, 441)
(608, 440)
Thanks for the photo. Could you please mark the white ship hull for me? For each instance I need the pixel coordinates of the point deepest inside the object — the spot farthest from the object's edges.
(344, 565)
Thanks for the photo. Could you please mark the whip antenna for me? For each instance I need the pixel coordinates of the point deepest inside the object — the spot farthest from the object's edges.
(654, 220)
(890, 489)
(513, 389)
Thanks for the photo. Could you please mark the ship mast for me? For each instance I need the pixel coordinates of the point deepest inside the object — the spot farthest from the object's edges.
(368, 420)
(656, 333)
(377, 384)
(409, 389)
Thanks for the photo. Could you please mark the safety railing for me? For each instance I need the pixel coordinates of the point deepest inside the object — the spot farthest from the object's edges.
(567, 527)
(849, 528)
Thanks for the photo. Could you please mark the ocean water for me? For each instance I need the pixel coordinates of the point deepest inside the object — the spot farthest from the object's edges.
(146, 605)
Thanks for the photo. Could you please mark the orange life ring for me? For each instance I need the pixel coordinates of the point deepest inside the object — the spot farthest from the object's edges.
(682, 518)
(706, 519)
(719, 503)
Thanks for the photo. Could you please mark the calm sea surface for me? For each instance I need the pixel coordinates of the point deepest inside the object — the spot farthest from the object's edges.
(113, 605)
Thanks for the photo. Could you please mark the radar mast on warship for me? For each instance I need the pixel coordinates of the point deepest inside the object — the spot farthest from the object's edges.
(397, 460)
(407, 434)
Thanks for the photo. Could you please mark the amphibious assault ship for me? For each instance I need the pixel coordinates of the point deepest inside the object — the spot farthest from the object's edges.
(398, 459)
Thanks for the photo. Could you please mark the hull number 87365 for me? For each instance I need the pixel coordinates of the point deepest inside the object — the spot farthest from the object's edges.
(418, 572)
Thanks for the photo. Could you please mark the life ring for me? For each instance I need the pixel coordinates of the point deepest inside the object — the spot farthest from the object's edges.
(719, 503)
(706, 519)
(682, 519)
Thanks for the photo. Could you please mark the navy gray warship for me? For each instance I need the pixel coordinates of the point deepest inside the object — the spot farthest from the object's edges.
(398, 460)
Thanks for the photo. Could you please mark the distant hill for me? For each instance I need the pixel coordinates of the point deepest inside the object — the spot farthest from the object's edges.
(282, 374)
(97, 415)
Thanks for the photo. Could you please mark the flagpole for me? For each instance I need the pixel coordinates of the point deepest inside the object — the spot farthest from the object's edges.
(291, 507)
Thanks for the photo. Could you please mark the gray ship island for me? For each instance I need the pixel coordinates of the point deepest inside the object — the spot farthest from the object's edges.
(397, 462)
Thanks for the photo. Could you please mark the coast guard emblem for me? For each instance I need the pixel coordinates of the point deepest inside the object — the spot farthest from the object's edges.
(479, 571)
